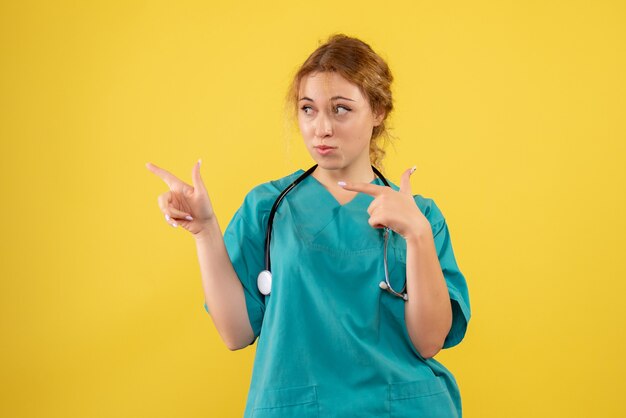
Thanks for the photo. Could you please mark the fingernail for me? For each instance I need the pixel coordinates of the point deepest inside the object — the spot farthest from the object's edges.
(413, 169)
(167, 217)
(341, 183)
(189, 218)
(199, 162)
(174, 224)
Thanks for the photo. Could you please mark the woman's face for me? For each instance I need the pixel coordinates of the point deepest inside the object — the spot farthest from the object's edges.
(335, 120)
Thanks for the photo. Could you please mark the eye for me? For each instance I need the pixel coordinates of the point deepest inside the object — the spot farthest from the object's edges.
(339, 107)
(306, 109)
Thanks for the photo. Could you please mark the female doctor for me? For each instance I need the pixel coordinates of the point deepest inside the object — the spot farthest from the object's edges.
(348, 281)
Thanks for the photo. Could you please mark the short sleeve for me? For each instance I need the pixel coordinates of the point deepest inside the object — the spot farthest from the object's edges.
(244, 241)
(457, 285)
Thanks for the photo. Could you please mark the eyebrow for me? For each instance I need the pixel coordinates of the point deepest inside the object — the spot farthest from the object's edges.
(332, 98)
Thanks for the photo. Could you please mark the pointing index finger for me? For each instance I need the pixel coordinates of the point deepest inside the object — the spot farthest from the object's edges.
(367, 188)
(165, 175)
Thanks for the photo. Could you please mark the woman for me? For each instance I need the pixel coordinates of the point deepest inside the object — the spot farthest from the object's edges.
(339, 334)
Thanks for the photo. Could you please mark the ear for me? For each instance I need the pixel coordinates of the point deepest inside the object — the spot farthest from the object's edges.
(379, 117)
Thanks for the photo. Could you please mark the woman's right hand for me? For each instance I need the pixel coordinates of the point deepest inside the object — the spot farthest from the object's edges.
(184, 205)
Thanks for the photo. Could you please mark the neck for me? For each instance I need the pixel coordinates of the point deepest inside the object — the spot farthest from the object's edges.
(363, 174)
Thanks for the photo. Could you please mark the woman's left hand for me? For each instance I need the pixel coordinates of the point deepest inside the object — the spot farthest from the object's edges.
(396, 210)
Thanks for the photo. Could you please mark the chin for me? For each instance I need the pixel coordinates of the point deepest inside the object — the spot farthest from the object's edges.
(327, 164)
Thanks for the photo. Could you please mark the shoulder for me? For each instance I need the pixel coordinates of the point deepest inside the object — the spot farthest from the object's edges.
(269, 191)
(260, 199)
(429, 208)
(431, 211)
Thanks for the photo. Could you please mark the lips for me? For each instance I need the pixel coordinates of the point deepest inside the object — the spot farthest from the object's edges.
(324, 149)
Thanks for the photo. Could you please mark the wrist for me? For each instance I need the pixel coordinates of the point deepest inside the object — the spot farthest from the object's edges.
(419, 232)
(208, 230)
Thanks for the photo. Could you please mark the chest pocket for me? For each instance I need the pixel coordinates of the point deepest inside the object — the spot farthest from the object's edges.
(300, 401)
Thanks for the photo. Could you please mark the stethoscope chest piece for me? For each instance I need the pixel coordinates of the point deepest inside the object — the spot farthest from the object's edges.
(264, 282)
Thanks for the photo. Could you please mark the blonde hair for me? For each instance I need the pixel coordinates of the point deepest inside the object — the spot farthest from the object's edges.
(355, 61)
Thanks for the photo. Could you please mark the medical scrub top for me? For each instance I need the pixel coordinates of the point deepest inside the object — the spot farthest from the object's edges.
(331, 342)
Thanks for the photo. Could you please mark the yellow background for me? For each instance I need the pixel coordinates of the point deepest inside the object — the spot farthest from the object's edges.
(513, 114)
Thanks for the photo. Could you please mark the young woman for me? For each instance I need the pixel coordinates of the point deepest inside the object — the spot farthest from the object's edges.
(349, 282)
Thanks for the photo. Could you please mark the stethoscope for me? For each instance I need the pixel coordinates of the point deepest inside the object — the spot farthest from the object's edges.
(264, 280)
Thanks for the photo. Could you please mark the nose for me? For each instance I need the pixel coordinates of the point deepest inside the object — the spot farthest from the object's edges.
(324, 126)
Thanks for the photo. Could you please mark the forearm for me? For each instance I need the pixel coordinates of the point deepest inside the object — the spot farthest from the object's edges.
(428, 311)
(223, 291)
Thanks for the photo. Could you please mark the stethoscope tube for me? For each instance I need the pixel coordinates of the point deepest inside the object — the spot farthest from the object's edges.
(270, 221)
(264, 280)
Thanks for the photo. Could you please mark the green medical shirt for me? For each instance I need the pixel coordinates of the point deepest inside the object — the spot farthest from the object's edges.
(331, 342)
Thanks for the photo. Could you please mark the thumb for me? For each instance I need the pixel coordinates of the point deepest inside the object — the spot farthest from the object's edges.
(198, 184)
(405, 181)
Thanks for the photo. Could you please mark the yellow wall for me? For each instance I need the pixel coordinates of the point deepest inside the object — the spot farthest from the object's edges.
(513, 113)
